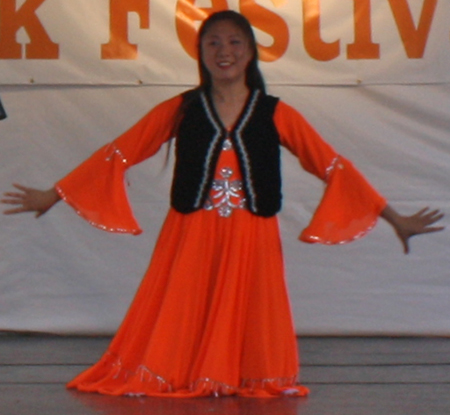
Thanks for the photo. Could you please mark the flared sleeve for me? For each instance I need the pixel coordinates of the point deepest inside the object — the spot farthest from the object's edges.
(96, 189)
(350, 206)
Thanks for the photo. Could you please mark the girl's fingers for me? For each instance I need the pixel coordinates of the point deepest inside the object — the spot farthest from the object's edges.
(15, 195)
(20, 187)
(13, 211)
(11, 202)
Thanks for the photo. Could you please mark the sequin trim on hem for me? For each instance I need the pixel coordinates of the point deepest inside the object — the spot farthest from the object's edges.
(274, 386)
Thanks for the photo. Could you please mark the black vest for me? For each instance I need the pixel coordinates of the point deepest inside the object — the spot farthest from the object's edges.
(199, 143)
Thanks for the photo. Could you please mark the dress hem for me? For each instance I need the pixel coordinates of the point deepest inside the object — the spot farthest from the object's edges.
(144, 382)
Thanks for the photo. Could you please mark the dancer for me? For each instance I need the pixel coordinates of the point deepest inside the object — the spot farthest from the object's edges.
(212, 315)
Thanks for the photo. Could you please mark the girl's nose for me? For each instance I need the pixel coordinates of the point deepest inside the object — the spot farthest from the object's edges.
(224, 49)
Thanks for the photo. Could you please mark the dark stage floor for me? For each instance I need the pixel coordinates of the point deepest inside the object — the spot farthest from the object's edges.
(347, 376)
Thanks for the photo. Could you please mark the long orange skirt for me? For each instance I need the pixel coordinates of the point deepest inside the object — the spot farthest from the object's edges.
(211, 317)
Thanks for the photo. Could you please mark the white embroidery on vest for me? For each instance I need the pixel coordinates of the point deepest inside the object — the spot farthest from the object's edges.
(207, 165)
(245, 159)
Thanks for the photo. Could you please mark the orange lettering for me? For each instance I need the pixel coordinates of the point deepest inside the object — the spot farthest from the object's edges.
(270, 23)
(11, 20)
(414, 39)
(187, 19)
(314, 45)
(363, 47)
(118, 46)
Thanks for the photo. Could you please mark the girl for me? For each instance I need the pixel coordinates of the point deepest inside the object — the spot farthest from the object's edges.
(212, 316)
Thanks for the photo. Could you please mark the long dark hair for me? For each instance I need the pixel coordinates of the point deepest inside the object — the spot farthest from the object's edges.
(254, 78)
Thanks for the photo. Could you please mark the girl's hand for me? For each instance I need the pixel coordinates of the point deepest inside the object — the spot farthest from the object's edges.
(27, 199)
(417, 224)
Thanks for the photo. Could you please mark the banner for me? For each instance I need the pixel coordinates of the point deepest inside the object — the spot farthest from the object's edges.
(76, 74)
(133, 42)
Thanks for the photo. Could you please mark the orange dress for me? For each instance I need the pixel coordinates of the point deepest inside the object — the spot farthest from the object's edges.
(212, 314)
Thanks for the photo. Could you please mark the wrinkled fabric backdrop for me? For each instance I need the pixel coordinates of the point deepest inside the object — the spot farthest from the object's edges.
(371, 76)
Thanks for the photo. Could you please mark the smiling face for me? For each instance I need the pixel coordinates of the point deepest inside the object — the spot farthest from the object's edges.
(226, 52)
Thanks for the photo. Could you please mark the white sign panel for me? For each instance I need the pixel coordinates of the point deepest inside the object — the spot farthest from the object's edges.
(128, 42)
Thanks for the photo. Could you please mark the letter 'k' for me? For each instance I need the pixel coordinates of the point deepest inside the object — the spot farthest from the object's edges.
(40, 45)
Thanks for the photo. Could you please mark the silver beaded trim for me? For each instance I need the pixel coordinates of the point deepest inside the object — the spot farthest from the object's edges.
(334, 163)
(95, 224)
(112, 150)
(227, 145)
(145, 376)
(207, 164)
(246, 161)
(225, 194)
(359, 235)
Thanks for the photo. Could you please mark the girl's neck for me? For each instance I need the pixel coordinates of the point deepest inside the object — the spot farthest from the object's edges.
(229, 102)
(230, 93)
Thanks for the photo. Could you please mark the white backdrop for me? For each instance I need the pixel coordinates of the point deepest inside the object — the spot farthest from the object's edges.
(389, 115)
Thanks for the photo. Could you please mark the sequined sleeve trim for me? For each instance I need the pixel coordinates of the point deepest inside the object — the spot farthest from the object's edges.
(66, 199)
(335, 163)
(361, 234)
(112, 150)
